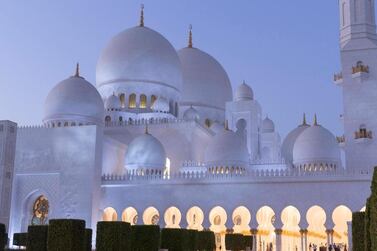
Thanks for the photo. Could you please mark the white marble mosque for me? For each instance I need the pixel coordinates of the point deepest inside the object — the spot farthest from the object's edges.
(161, 138)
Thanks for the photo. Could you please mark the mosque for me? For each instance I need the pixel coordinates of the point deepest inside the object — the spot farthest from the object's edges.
(162, 139)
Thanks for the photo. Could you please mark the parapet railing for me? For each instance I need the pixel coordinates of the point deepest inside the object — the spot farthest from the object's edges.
(247, 175)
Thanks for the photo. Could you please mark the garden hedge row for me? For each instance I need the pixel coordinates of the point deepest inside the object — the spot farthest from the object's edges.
(66, 235)
(206, 241)
(234, 242)
(113, 236)
(37, 238)
(3, 237)
(175, 239)
(88, 240)
(20, 239)
(145, 238)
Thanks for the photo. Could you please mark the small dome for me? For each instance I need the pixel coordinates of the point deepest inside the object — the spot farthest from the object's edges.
(74, 100)
(268, 125)
(205, 82)
(316, 146)
(191, 114)
(227, 148)
(113, 102)
(244, 93)
(145, 152)
(161, 105)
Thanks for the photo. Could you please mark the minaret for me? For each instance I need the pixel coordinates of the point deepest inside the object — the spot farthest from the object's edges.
(357, 20)
(358, 79)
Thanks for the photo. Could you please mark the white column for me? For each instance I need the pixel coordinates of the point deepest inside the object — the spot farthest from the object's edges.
(278, 233)
(254, 233)
(329, 233)
(306, 240)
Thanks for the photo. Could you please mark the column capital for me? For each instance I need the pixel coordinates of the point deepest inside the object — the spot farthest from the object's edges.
(329, 231)
(303, 231)
(254, 231)
(229, 230)
(278, 231)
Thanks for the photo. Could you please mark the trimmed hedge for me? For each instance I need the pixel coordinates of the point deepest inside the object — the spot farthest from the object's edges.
(358, 231)
(175, 239)
(234, 242)
(248, 241)
(88, 240)
(206, 241)
(113, 236)
(192, 240)
(37, 238)
(3, 237)
(145, 238)
(66, 235)
(20, 239)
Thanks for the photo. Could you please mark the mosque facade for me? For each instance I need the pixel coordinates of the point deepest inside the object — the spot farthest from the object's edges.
(162, 139)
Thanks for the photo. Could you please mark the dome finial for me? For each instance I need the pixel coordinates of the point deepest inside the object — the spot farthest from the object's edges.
(146, 129)
(304, 119)
(141, 15)
(77, 73)
(190, 36)
(315, 119)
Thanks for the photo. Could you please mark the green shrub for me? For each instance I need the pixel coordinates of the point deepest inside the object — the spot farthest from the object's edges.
(145, 238)
(3, 237)
(234, 242)
(37, 238)
(175, 239)
(66, 235)
(248, 241)
(20, 239)
(206, 241)
(113, 236)
(192, 240)
(358, 231)
(88, 240)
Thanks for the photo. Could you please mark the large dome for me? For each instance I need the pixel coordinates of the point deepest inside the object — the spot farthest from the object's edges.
(205, 83)
(227, 149)
(145, 152)
(289, 141)
(74, 101)
(316, 147)
(139, 60)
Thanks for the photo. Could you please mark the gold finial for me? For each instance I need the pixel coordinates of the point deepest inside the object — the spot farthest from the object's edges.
(315, 119)
(141, 15)
(304, 120)
(190, 37)
(146, 129)
(226, 125)
(77, 73)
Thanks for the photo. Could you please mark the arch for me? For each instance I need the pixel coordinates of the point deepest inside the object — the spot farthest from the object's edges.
(340, 216)
(132, 101)
(176, 109)
(217, 219)
(151, 216)
(195, 218)
(143, 101)
(241, 124)
(290, 217)
(130, 215)
(172, 217)
(122, 98)
(207, 122)
(241, 219)
(109, 214)
(266, 218)
(316, 218)
(153, 99)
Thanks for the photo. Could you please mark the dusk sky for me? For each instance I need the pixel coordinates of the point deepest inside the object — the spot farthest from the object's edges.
(287, 51)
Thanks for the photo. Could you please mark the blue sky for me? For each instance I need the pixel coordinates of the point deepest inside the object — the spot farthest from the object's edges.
(286, 50)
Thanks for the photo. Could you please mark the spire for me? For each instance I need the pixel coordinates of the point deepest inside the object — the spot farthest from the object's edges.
(141, 15)
(315, 120)
(190, 37)
(304, 120)
(77, 73)
(146, 129)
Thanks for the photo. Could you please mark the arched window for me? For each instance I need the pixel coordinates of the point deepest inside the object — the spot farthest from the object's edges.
(40, 211)
(176, 109)
(143, 101)
(120, 119)
(153, 99)
(107, 119)
(171, 107)
(122, 98)
(132, 101)
(207, 123)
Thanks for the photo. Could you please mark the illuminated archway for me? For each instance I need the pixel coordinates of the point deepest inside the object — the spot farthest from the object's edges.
(151, 216)
(41, 209)
(340, 216)
(241, 218)
(195, 218)
(316, 218)
(266, 230)
(130, 215)
(217, 219)
(290, 217)
(172, 217)
(109, 214)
